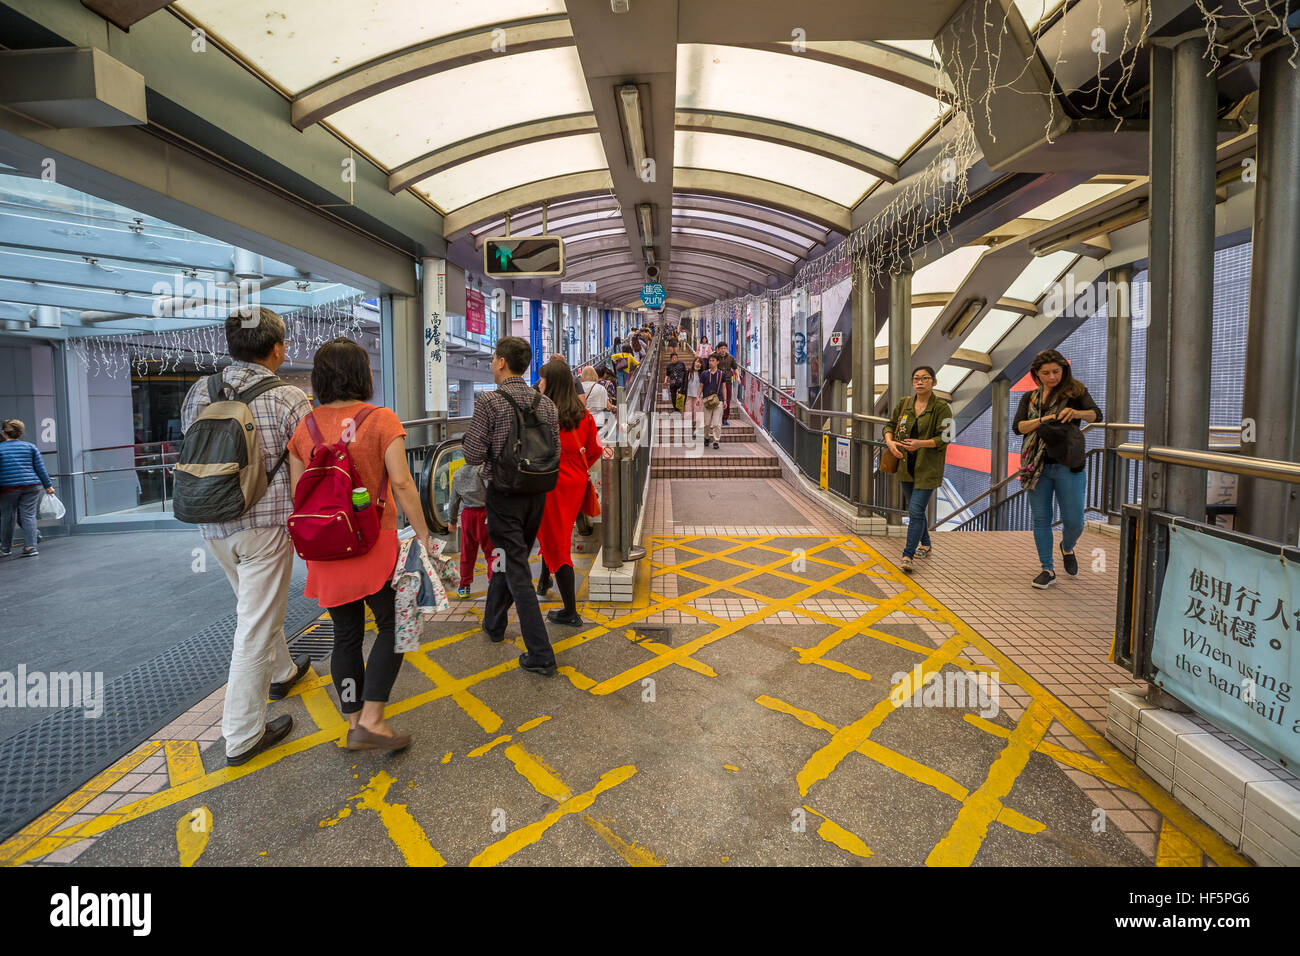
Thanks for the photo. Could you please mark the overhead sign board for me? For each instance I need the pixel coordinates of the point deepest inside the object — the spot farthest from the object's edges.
(577, 288)
(654, 295)
(511, 257)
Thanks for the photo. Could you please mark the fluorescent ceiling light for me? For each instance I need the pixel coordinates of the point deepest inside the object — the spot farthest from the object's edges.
(630, 97)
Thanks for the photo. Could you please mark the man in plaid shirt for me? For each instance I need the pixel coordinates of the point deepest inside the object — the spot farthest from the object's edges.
(254, 550)
(512, 520)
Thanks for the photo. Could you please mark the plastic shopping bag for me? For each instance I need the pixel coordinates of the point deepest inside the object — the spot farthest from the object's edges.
(51, 507)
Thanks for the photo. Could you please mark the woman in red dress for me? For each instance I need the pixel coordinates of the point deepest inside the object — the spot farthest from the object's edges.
(579, 450)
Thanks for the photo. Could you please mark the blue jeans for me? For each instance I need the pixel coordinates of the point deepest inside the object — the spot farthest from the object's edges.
(622, 379)
(1069, 488)
(917, 499)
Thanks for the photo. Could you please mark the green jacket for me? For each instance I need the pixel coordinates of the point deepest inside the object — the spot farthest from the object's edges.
(903, 423)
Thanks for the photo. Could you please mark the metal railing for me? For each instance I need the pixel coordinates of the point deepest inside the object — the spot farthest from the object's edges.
(805, 434)
(625, 478)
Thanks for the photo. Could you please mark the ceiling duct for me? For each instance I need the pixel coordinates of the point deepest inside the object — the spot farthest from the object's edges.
(72, 88)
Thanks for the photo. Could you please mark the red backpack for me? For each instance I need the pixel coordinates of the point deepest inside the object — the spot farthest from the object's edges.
(323, 525)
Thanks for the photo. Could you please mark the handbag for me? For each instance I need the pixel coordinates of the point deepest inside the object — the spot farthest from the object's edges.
(590, 502)
(680, 403)
(888, 462)
(712, 402)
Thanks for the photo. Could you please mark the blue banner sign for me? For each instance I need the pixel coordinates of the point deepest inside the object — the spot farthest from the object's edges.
(654, 295)
(1226, 638)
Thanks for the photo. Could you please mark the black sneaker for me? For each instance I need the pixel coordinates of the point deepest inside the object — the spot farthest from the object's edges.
(1045, 580)
(547, 670)
(1070, 561)
(716, 445)
(278, 691)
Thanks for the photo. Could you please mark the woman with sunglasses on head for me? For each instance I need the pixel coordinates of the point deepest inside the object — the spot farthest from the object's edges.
(916, 435)
(1052, 457)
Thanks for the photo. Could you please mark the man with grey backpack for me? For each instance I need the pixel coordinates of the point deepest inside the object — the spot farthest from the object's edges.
(231, 480)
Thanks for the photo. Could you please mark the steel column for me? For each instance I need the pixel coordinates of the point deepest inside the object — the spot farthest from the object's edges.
(1119, 363)
(900, 359)
(863, 344)
(1191, 305)
(1001, 395)
(1271, 403)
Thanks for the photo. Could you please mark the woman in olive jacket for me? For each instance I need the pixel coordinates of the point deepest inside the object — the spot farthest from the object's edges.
(918, 434)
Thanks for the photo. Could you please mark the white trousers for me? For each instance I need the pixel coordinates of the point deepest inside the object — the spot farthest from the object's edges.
(259, 563)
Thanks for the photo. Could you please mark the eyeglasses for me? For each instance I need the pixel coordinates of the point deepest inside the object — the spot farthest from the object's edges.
(922, 378)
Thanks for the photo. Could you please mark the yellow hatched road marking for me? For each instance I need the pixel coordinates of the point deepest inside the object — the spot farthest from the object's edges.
(477, 710)
(836, 835)
(407, 835)
(529, 834)
(966, 835)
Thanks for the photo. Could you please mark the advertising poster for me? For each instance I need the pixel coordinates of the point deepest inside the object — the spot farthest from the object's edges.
(475, 323)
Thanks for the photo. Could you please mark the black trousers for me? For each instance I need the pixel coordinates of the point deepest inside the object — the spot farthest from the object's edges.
(512, 522)
(674, 391)
(354, 681)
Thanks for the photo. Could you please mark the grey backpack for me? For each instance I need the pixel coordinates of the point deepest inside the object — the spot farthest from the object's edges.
(219, 473)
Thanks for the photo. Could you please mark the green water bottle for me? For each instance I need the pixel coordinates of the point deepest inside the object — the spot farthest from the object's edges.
(360, 499)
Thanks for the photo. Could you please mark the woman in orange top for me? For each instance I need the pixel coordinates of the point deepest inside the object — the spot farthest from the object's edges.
(341, 382)
(579, 450)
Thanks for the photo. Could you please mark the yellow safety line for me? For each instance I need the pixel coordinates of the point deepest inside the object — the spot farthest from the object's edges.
(836, 835)
(1173, 848)
(17, 848)
(476, 709)
(184, 762)
(407, 835)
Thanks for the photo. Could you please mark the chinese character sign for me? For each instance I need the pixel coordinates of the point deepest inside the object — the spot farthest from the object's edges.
(1226, 638)
(434, 282)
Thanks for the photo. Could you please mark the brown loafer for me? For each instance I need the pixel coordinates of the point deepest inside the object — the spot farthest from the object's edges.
(361, 739)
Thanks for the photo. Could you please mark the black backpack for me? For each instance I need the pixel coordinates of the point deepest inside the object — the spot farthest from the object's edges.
(530, 461)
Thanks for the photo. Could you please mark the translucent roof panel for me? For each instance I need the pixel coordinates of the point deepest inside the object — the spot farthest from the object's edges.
(1072, 199)
(947, 273)
(742, 240)
(818, 175)
(862, 109)
(922, 319)
(995, 324)
(300, 43)
(1038, 275)
(502, 170)
(419, 117)
(949, 377)
(587, 235)
(1036, 11)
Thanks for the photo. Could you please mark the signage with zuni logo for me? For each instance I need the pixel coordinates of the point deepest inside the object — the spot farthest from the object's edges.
(130, 910)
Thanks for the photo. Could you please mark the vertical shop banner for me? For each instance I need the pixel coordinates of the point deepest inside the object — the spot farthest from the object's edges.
(535, 339)
(433, 278)
(1227, 638)
(752, 396)
(785, 345)
(799, 342)
(826, 454)
(475, 323)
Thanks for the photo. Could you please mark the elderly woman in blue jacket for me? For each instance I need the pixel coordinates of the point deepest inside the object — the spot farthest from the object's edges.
(22, 476)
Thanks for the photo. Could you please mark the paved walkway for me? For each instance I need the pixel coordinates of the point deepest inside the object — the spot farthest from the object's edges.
(744, 710)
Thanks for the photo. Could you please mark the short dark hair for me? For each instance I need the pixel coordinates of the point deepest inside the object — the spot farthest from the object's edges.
(925, 368)
(516, 351)
(251, 334)
(341, 372)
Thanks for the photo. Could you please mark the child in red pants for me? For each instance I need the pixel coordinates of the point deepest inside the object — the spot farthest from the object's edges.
(467, 502)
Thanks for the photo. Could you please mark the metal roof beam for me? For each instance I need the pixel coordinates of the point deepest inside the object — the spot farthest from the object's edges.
(439, 160)
(427, 59)
(764, 192)
(813, 232)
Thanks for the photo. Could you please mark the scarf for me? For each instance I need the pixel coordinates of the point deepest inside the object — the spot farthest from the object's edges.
(1033, 450)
